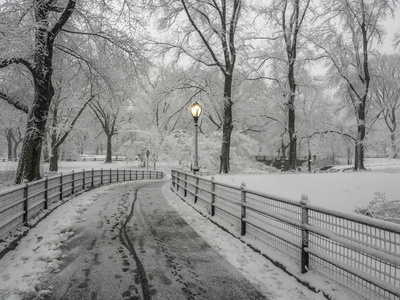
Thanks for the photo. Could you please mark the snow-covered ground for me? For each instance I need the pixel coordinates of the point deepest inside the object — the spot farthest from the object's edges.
(38, 252)
(345, 191)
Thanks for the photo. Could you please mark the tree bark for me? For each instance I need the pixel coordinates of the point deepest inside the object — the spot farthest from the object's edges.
(54, 147)
(54, 159)
(9, 144)
(109, 148)
(29, 163)
(361, 130)
(393, 142)
(17, 140)
(292, 120)
(227, 125)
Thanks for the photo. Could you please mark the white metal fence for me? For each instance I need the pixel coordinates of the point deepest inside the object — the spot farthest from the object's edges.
(359, 252)
(17, 205)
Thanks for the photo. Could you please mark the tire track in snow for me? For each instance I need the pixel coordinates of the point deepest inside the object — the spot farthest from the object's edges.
(124, 238)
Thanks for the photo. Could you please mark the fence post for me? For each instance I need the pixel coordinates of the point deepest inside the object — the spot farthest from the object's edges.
(124, 175)
(111, 175)
(197, 189)
(185, 190)
(73, 182)
(177, 181)
(61, 187)
(117, 175)
(101, 176)
(304, 234)
(25, 217)
(92, 178)
(83, 180)
(212, 208)
(46, 193)
(143, 174)
(173, 178)
(243, 208)
(130, 174)
(136, 174)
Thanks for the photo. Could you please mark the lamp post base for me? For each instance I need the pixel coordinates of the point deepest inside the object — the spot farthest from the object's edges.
(195, 170)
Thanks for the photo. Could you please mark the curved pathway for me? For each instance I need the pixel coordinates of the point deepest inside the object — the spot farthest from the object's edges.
(134, 245)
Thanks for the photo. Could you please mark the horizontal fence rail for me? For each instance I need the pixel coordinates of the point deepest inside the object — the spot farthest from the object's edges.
(356, 251)
(19, 204)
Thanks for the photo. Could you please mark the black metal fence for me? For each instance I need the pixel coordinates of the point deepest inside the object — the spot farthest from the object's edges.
(359, 252)
(19, 204)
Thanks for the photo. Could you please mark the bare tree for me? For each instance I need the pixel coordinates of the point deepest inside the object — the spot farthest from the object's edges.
(292, 14)
(32, 30)
(349, 31)
(111, 115)
(62, 123)
(385, 92)
(208, 38)
(51, 17)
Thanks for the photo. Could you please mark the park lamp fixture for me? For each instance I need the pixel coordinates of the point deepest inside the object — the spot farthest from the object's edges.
(196, 110)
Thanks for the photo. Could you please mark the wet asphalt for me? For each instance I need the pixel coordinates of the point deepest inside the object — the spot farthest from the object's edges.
(134, 245)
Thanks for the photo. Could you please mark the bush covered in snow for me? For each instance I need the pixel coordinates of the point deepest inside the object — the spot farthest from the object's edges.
(380, 208)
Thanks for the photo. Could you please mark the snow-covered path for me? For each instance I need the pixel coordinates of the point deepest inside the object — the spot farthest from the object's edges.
(105, 245)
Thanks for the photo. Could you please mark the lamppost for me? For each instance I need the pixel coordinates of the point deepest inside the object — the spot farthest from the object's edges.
(196, 112)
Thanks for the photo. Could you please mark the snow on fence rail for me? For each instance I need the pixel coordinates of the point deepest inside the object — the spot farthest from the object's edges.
(19, 204)
(359, 252)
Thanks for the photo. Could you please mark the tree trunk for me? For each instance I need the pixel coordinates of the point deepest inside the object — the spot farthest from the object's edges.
(45, 153)
(54, 160)
(29, 163)
(394, 146)
(15, 151)
(292, 119)
(9, 144)
(54, 152)
(349, 155)
(359, 148)
(108, 154)
(227, 125)
(16, 140)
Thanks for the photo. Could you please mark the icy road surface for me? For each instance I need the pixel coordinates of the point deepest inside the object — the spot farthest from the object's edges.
(133, 245)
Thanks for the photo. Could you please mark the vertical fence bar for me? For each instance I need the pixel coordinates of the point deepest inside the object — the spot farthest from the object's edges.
(197, 189)
(185, 190)
(177, 181)
(46, 193)
(92, 178)
(61, 187)
(124, 175)
(143, 174)
(243, 208)
(101, 176)
(304, 234)
(136, 174)
(111, 175)
(117, 175)
(212, 208)
(25, 216)
(73, 182)
(83, 180)
(130, 174)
